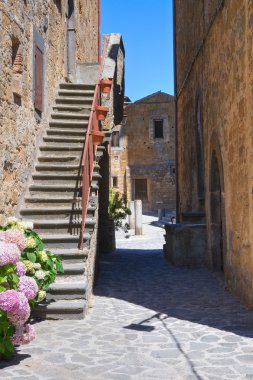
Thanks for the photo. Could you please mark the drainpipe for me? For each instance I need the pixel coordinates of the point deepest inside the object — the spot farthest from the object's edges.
(175, 97)
(99, 38)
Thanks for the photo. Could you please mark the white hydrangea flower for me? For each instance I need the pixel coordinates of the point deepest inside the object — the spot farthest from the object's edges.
(41, 295)
(36, 266)
(40, 274)
(28, 224)
(42, 256)
(30, 242)
(11, 220)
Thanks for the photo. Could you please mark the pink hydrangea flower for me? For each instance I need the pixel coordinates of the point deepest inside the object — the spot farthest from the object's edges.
(9, 253)
(21, 269)
(14, 236)
(22, 313)
(16, 305)
(23, 335)
(9, 300)
(28, 286)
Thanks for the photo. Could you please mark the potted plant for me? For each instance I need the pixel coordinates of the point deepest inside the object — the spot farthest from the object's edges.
(97, 137)
(105, 85)
(101, 112)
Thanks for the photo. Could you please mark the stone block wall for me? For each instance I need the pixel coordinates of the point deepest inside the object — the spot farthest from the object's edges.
(21, 127)
(215, 67)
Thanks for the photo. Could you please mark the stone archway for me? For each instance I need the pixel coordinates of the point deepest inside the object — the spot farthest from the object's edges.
(217, 218)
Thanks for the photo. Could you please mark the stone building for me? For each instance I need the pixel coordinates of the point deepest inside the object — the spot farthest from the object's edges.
(142, 152)
(49, 90)
(214, 76)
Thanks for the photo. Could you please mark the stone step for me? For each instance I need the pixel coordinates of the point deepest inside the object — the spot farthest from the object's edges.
(72, 255)
(52, 200)
(54, 212)
(67, 290)
(64, 309)
(56, 178)
(74, 100)
(69, 124)
(56, 159)
(56, 188)
(69, 140)
(81, 108)
(56, 226)
(71, 115)
(80, 86)
(61, 166)
(76, 92)
(73, 269)
(53, 241)
(60, 149)
(66, 132)
(53, 167)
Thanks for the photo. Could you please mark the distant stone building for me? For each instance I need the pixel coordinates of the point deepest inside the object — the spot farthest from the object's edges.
(214, 76)
(143, 150)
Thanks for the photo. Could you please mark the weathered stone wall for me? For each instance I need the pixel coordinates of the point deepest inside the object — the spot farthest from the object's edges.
(216, 66)
(141, 156)
(20, 126)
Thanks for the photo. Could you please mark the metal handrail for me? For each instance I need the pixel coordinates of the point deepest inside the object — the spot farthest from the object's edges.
(89, 150)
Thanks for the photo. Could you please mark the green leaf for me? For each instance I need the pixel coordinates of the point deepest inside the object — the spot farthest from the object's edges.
(31, 256)
(59, 267)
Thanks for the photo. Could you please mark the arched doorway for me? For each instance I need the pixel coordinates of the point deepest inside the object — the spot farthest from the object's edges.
(71, 38)
(217, 218)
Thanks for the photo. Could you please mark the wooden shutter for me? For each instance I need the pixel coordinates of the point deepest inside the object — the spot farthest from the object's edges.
(38, 101)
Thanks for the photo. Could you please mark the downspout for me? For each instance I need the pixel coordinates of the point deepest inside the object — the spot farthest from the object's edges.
(99, 38)
(175, 97)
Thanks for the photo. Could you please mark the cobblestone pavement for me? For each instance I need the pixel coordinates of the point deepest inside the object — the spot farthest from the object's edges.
(149, 321)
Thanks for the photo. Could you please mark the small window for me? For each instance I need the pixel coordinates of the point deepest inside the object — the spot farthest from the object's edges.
(158, 129)
(115, 139)
(114, 181)
(116, 158)
(141, 189)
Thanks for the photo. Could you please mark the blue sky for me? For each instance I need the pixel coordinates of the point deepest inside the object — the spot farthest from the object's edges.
(146, 27)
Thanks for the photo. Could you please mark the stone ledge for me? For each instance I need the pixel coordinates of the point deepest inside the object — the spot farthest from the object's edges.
(185, 244)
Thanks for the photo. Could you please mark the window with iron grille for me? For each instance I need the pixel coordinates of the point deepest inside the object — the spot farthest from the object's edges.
(141, 189)
(158, 129)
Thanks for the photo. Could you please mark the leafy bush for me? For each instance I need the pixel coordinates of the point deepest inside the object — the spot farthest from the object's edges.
(26, 271)
(118, 209)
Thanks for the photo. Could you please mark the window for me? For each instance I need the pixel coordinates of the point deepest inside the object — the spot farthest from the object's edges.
(141, 189)
(114, 181)
(158, 129)
(115, 139)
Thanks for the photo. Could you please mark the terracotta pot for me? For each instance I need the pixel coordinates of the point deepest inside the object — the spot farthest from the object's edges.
(101, 112)
(97, 137)
(106, 85)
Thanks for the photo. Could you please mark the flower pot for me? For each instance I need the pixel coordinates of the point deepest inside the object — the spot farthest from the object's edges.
(101, 112)
(105, 85)
(97, 137)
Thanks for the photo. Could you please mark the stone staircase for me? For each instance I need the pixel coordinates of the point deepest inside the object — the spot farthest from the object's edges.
(53, 199)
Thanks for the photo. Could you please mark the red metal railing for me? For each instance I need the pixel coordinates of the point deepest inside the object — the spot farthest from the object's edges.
(89, 151)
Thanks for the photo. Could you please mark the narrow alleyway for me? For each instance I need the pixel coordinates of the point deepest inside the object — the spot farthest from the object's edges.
(148, 321)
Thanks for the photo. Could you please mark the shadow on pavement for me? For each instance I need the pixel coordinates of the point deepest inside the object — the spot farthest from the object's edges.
(16, 359)
(144, 277)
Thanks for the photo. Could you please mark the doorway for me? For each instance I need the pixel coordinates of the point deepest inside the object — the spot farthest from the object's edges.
(216, 207)
(71, 38)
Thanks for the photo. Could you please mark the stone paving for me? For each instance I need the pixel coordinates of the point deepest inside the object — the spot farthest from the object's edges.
(148, 321)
